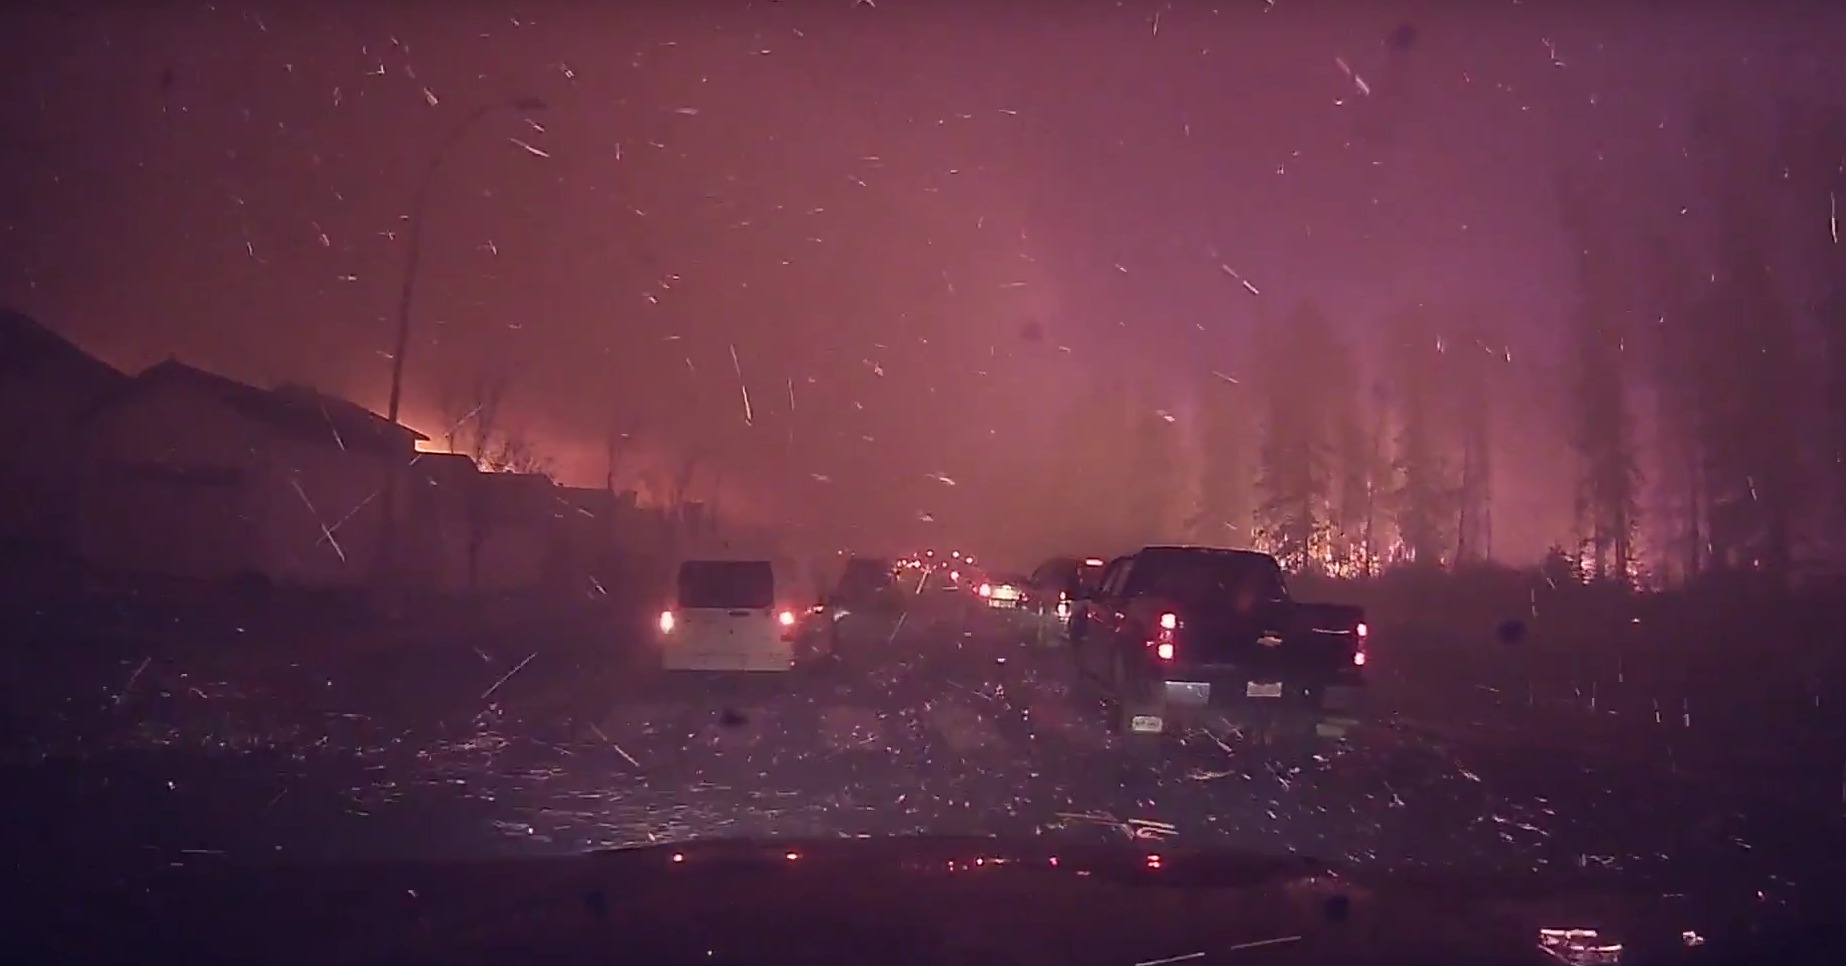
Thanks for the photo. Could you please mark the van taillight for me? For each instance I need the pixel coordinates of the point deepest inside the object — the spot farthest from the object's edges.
(1362, 630)
(666, 622)
(1164, 650)
(1358, 658)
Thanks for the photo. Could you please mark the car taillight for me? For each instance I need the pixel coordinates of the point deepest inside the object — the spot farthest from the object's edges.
(1169, 622)
(1358, 658)
(1164, 650)
(1362, 630)
(666, 622)
(987, 590)
(787, 618)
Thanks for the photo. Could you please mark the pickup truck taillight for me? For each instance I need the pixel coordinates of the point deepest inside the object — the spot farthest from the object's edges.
(1163, 638)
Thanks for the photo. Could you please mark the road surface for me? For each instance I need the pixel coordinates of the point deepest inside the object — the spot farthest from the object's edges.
(943, 721)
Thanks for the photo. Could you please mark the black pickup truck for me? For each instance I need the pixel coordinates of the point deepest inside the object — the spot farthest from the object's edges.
(1197, 635)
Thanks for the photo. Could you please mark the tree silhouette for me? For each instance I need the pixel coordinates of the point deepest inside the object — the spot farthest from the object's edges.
(1609, 477)
(1227, 464)
(1295, 479)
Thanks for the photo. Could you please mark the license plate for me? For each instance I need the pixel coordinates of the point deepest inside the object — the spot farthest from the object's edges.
(1188, 692)
(1260, 690)
(1145, 724)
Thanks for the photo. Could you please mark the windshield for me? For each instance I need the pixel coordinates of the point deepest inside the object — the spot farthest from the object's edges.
(727, 584)
(376, 380)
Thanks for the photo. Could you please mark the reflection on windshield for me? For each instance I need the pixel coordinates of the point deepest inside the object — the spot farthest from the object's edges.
(365, 379)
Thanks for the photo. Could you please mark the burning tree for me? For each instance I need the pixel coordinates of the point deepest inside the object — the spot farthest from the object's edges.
(1295, 480)
(474, 414)
(1227, 464)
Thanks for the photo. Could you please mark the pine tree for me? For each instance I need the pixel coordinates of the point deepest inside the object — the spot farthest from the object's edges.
(1354, 460)
(1158, 485)
(1423, 493)
(1468, 368)
(1813, 142)
(1227, 465)
(1295, 479)
(1748, 420)
(1609, 480)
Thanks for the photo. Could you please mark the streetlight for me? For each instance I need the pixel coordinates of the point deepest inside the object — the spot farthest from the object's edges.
(413, 256)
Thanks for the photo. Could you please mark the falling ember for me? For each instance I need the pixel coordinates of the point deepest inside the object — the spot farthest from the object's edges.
(535, 152)
(1228, 270)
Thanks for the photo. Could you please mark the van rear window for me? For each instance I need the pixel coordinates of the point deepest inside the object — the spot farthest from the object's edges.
(728, 584)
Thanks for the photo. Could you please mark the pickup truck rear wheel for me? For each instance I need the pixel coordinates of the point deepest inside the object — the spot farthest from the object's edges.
(1128, 701)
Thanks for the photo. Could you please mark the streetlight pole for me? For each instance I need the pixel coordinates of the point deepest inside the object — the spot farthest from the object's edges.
(386, 559)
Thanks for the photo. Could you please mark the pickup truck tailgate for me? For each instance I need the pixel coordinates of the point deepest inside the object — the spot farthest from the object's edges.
(1287, 640)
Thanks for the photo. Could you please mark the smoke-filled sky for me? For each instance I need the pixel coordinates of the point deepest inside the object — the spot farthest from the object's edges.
(836, 251)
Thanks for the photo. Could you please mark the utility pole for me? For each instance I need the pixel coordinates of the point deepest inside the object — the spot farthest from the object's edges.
(386, 562)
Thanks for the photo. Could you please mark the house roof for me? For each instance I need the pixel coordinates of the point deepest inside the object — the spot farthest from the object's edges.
(295, 411)
(26, 345)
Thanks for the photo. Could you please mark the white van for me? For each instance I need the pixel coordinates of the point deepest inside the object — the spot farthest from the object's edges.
(735, 612)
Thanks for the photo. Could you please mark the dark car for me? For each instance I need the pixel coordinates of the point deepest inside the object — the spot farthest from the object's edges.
(867, 584)
(1180, 635)
(1052, 588)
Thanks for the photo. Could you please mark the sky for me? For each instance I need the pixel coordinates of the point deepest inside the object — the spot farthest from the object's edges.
(833, 252)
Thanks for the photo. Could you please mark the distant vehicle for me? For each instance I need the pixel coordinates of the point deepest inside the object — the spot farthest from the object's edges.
(1005, 591)
(1053, 586)
(1180, 634)
(739, 611)
(948, 577)
(868, 584)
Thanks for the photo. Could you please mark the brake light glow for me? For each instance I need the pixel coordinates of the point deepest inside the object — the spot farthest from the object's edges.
(987, 590)
(666, 622)
(787, 618)
(1164, 651)
(1169, 622)
(1358, 658)
(1362, 630)
(1093, 562)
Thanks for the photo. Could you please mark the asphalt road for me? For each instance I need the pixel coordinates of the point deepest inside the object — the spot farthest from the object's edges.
(945, 721)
